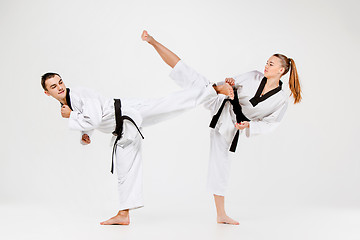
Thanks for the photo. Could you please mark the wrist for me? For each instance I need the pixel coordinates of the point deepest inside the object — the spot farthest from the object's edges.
(216, 88)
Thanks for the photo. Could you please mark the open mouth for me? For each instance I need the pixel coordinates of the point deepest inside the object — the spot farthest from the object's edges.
(62, 91)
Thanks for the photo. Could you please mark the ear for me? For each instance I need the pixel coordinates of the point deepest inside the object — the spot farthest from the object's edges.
(47, 93)
(282, 70)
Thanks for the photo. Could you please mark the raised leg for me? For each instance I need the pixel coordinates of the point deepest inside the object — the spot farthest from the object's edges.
(183, 75)
(168, 56)
(154, 111)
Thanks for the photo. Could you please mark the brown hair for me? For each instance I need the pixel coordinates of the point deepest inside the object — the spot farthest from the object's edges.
(47, 76)
(294, 83)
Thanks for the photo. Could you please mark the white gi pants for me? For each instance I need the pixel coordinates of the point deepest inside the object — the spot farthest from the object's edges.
(128, 159)
(128, 167)
(219, 161)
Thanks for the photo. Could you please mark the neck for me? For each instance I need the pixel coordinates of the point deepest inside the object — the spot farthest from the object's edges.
(273, 82)
(63, 101)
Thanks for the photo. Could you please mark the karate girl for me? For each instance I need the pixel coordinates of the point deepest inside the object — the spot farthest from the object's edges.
(88, 110)
(258, 107)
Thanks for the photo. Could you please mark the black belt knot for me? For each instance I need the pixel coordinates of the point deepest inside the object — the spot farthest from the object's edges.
(239, 117)
(119, 118)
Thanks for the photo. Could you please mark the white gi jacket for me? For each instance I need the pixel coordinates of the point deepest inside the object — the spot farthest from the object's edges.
(265, 116)
(94, 111)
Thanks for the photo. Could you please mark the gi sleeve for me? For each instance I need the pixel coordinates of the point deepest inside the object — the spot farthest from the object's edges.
(239, 79)
(213, 104)
(186, 77)
(89, 118)
(89, 133)
(267, 124)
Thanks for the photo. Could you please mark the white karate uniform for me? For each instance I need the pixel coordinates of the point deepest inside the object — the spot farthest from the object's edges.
(264, 118)
(93, 111)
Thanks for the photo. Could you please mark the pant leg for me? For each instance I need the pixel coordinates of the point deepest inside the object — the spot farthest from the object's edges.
(186, 77)
(129, 174)
(156, 110)
(219, 164)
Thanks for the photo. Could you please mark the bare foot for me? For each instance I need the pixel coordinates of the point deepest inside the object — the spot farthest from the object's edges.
(122, 218)
(226, 220)
(146, 37)
(225, 89)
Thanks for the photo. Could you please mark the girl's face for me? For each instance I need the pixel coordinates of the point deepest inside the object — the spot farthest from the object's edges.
(273, 68)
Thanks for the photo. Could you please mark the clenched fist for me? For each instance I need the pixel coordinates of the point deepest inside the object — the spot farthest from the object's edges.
(65, 111)
(85, 139)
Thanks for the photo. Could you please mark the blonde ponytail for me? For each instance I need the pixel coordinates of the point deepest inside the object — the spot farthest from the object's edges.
(294, 83)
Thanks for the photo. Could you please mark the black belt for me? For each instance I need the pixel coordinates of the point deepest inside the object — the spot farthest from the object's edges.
(119, 118)
(239, 117)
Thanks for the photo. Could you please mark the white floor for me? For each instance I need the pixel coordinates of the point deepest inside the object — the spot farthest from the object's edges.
(39, 222)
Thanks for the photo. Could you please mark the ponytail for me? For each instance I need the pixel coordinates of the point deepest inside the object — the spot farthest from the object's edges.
(294, 83)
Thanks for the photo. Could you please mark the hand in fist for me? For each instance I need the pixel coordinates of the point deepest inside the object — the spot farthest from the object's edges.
(65, 111)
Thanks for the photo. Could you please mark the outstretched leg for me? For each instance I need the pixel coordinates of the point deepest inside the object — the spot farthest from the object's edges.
(168, 56)
(183, 75)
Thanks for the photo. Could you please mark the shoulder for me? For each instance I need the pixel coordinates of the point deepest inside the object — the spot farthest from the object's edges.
(255, 73)
(258, 73)
(249, 78)
(83, 92)
(251, 75)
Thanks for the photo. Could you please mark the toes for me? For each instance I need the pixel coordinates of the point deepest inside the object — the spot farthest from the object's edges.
(228, 220)
(107, 222)
(116, 221)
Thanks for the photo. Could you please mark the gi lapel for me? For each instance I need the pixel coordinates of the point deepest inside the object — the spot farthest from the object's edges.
(68, 101)
(256, 99)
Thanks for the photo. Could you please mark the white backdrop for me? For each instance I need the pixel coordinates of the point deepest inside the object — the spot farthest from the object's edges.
(312, 158)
